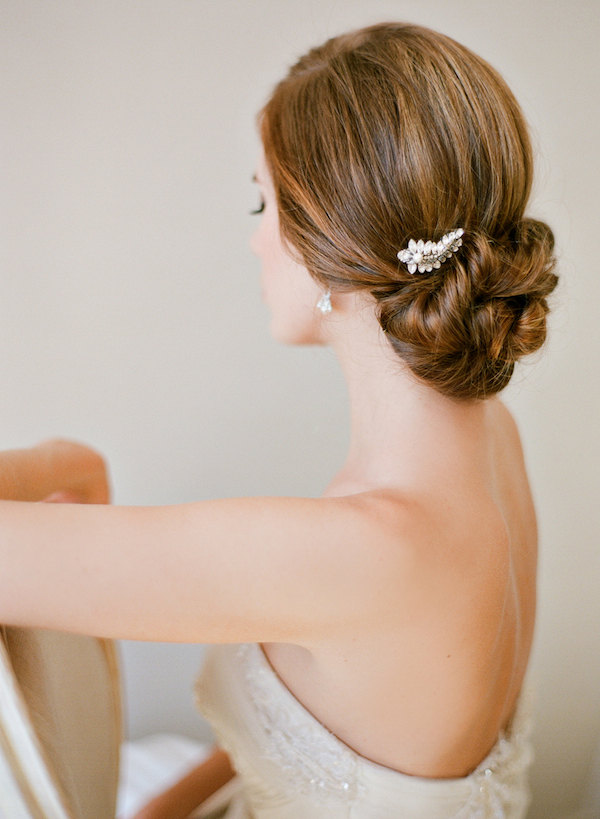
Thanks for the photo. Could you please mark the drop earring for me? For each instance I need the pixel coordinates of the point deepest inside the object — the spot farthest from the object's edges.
(324, 303)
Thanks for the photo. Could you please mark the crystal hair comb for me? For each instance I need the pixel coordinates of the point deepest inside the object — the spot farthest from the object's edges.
(427, 255)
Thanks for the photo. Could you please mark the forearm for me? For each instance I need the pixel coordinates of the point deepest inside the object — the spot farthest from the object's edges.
(185, 795)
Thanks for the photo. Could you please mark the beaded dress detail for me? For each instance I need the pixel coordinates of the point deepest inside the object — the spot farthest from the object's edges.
(292, 767)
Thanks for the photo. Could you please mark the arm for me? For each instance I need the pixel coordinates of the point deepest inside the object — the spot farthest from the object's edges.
(232, 570)
(178, 801)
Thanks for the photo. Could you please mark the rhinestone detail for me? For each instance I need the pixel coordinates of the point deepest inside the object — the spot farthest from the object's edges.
(427, 255)
(324, 303)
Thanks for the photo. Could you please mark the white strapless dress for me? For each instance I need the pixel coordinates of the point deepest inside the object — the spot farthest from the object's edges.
(291, 767)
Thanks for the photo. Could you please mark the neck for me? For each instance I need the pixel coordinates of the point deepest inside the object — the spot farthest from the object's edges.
(400, 428)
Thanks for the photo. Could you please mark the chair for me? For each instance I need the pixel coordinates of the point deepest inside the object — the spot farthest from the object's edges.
(60, 725)
(61, 734)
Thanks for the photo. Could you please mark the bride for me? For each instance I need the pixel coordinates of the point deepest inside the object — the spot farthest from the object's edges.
(369, 646)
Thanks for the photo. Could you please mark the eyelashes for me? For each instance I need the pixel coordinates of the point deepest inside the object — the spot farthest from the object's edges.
(259, 209)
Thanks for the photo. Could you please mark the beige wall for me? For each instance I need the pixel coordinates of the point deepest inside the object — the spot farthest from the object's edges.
(130, 315)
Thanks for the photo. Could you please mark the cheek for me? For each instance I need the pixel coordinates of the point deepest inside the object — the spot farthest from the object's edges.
(266, 244)
(281, 275)
(288, 289)
(292, 281)
(293, 298)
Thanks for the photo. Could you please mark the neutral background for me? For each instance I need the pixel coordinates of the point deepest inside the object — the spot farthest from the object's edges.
(130, 315)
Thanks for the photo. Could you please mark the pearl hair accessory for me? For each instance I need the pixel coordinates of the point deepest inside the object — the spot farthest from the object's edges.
(425, 255)
(324, 303)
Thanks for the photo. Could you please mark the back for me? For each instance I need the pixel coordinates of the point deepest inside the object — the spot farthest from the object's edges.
(429, 691)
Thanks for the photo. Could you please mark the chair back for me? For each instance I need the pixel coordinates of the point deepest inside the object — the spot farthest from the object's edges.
(60, 725)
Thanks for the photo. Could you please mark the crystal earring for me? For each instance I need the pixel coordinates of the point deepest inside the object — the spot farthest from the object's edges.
(324, 303)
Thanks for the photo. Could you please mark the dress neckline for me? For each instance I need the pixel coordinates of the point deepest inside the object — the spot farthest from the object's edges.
(517, 732)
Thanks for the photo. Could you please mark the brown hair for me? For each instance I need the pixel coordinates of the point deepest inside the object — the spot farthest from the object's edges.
(395, 132)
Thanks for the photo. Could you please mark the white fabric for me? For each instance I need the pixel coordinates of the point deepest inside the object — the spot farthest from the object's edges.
(148, 766)
(292, 767)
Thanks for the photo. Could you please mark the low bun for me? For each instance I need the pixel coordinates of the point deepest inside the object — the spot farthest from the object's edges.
(397, 132)
(463, 327)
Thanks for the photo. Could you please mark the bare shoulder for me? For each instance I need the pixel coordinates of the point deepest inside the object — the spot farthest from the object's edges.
(396, 527)
(430, 544)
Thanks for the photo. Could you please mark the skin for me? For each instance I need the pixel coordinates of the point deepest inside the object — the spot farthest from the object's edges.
(398, 608)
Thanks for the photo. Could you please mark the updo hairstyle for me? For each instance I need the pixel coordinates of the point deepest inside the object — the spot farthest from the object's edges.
(395, 132)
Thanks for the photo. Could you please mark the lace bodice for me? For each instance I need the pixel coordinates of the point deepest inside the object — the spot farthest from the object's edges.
(292, 767)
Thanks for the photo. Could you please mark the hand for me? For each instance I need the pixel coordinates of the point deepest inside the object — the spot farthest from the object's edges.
(78, 474)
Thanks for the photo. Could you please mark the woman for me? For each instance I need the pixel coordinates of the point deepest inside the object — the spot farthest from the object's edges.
(385, 628)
